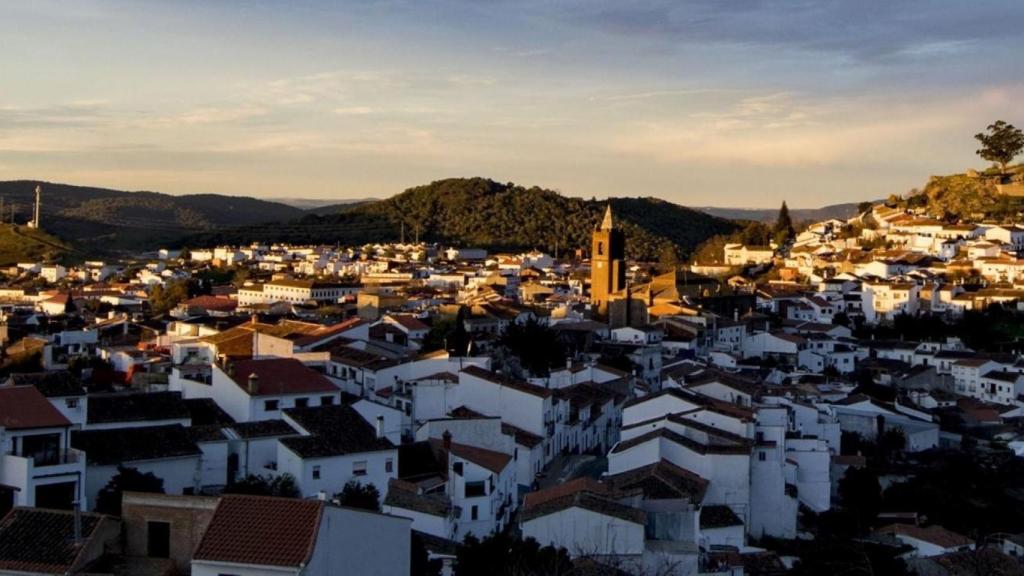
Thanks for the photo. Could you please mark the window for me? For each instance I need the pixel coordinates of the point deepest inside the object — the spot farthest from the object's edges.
(270, 405)
(359, 468)
(474, 513)
(301, 402)
(762, 456)
(326, 400)
(389, 465)
(158, 539)
(316, 472)
(71, 403)
(475, 489)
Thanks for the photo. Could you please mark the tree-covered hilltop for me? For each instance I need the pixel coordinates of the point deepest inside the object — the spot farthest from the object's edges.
(485, 213)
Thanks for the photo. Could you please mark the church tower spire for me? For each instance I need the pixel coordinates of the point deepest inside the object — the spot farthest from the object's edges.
(607, 264)
(607, 223)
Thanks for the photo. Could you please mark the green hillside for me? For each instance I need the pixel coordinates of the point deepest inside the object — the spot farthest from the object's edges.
(481, 212)
(101, 220)
(23, 244)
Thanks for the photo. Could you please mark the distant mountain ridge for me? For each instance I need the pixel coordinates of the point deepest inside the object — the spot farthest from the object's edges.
(460, 211)
(842, 211)
(102, 220)
(499, 216)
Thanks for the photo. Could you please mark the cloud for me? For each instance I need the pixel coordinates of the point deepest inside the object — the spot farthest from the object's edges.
(206, 115)
(865, 30)
(354, 110)
(788, 130)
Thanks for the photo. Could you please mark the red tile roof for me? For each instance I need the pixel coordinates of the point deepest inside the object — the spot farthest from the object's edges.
(34, 540)
(262, 531)
(409, 322)
(276, 376)
(561, 490)
(493, 461)
(23, 407)
(212, 303)
(936, 535)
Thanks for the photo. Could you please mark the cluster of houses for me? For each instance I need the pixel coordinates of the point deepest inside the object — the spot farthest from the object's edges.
(687, 420)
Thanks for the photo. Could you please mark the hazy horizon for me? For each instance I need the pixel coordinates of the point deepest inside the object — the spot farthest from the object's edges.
(701, 103)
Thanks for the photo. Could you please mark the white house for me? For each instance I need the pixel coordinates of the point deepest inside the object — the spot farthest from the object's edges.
(336, 445)
(38, 465)
(259, 389)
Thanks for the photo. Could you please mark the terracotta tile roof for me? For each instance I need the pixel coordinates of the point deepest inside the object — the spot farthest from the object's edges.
(936, 535)
(280, 376)
(23, 407)
(262, 531)
(661, 480)
(567, 489)
(217, 303)
(490, 459)
(408, 322)
(586, 501)
(33, 540)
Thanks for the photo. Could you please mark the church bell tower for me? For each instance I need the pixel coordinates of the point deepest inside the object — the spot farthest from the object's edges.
(607, 264)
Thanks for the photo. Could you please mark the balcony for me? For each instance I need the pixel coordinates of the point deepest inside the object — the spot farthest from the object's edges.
(21, 470)
(56, 459)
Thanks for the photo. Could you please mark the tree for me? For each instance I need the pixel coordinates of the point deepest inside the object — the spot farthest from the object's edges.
(502, 554)
(864, 207)
(356, 495)
(420, 563)
(282, 486)
(668, 257)
(536, 346)
(783, 230)
(1002, 143)
(127, 479)
(164, 298)
(860, 493)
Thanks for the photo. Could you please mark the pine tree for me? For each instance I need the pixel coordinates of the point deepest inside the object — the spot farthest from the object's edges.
(783, 230)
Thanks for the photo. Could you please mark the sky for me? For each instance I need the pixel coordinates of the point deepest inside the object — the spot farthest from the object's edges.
(740, 103)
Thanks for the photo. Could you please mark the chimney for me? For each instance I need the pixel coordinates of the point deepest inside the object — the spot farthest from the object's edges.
(78, 521)
(446, 440)
(253, 383)
(380, 426)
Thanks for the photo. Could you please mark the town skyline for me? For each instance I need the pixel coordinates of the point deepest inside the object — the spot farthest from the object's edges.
(692, 103)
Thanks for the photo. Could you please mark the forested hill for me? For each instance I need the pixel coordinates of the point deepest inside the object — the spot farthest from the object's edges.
(100, 219)
(481, 212)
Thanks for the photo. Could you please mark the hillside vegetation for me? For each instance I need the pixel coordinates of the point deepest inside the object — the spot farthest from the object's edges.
(481, 212)
(101, 220)
(968, 195)
(23, 244)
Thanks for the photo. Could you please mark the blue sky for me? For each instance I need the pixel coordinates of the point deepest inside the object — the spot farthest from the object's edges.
(731, 103)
